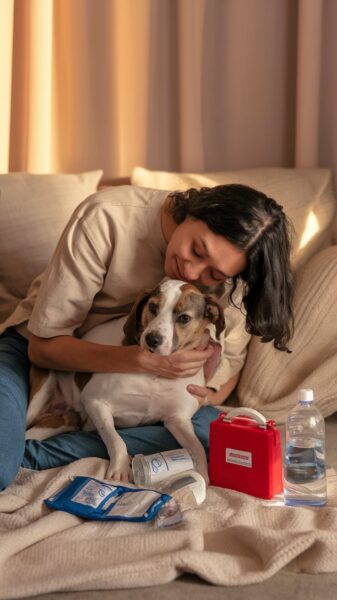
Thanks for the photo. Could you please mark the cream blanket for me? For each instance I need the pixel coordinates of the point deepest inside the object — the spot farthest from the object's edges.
(232, 539)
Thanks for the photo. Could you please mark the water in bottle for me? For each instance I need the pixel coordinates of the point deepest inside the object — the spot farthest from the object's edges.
(304, 460)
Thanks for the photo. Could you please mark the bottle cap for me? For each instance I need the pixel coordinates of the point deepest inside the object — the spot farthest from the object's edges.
(306, 395)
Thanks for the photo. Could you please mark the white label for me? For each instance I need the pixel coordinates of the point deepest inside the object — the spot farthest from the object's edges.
(168, 463)
(239, 457)
(93, 493)
(134, 504)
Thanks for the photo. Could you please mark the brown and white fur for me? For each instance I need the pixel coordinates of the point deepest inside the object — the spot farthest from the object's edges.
(175, 315)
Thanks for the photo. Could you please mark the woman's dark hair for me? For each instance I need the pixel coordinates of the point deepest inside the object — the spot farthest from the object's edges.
(256, 224)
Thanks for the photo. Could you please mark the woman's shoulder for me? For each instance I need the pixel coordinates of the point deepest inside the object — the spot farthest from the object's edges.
(122, 197)
(112, 209)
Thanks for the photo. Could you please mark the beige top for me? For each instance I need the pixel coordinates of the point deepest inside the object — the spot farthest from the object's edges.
(112, 248)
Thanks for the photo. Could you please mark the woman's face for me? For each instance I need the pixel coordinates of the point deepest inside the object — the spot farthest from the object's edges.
(197, 255)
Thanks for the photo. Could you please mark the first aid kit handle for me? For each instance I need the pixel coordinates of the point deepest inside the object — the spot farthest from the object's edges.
(246, 412)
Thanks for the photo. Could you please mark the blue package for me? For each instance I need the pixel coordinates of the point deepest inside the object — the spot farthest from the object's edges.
(93, 499)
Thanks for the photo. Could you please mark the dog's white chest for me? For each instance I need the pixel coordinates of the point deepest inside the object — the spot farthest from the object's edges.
(138, 399)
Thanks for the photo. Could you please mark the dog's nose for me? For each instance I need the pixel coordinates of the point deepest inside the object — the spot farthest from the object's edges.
(153, 339)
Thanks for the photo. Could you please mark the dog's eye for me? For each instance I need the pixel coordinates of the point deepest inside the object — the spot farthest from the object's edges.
(153, 308)
(184, 319)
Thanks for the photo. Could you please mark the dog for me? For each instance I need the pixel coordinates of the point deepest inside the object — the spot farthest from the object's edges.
(173, 316)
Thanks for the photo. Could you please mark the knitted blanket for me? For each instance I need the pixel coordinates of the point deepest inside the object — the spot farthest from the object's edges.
(232, 539)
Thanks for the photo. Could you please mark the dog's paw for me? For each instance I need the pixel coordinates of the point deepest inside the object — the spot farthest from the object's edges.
(119, 471)
(202, 469)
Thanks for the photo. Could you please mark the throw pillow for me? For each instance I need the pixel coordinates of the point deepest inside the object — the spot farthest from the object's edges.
(34, 211)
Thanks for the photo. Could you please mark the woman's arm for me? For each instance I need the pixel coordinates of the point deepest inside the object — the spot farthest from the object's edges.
(72, 354)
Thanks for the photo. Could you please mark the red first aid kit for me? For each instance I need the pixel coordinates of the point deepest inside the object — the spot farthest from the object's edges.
(245, 453)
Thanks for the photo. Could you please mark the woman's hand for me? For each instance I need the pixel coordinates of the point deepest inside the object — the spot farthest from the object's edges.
(206, 395)
(183, 363)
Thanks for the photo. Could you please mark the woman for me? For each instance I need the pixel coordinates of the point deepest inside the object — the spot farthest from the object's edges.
(230, 239)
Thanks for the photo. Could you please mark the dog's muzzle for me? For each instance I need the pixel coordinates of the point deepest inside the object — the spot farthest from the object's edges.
(153, 339)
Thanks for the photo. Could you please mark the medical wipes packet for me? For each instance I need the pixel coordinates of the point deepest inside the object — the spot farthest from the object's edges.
(93, 499)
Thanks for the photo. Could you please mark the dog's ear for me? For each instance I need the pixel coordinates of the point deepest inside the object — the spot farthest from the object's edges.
(133, 327)
(214, 313)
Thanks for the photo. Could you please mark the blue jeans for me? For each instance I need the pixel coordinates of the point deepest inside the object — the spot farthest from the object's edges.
(67, 447)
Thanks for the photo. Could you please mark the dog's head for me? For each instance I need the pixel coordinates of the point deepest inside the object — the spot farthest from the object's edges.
(172, 316)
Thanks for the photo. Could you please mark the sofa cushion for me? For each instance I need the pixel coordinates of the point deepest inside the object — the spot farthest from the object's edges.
(34, 211)
(306, 195)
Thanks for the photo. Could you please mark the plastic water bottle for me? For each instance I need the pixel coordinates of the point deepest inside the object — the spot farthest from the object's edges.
(152, 468)
(304, 460)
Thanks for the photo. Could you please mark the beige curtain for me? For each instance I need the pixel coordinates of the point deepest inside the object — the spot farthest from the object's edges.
(187, 85)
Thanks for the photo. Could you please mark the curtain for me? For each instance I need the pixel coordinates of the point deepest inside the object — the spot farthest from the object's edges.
(188, 85)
